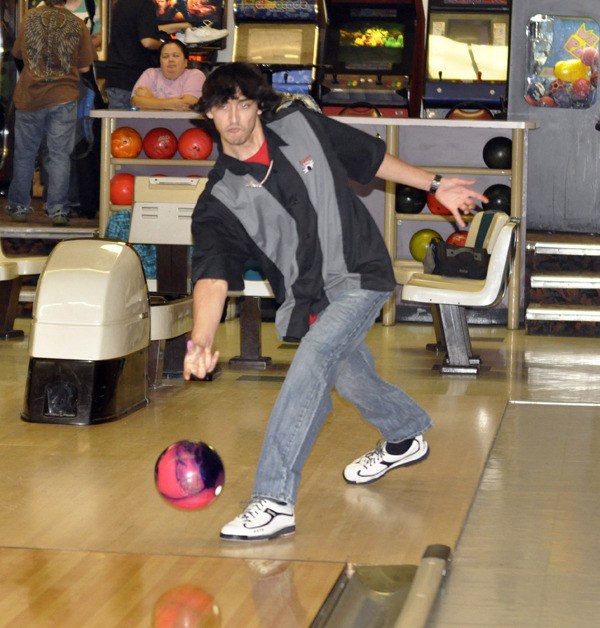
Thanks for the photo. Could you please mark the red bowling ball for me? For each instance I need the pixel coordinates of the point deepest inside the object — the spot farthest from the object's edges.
(195, 144)
(160, 143)
(121, 189)
(459, 238)
(435, 207)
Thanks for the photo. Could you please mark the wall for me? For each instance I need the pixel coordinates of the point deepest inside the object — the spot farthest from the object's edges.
(563, 182)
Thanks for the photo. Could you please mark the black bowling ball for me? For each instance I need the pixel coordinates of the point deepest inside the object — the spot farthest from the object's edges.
(498, 198)
(497, 153)
(410, 200)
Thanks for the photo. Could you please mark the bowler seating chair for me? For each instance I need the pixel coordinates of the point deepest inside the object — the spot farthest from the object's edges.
(482, 232)
(452, 295)
(12, 269)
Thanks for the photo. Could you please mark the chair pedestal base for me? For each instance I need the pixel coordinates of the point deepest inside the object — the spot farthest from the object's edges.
(459, 353)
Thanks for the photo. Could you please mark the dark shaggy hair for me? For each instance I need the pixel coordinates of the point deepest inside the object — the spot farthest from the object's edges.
(224, 82)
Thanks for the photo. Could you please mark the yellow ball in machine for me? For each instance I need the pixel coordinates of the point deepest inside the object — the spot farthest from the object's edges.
(420, 241)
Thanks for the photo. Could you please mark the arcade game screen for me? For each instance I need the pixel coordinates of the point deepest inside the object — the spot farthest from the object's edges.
(370, 45)
(468, 47)
(276, 43)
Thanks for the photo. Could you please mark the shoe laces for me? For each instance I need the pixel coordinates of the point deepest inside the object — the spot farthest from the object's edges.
(374, 456)
(253, 509)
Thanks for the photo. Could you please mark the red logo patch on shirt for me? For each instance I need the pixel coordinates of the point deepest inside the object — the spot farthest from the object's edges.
(308, 163)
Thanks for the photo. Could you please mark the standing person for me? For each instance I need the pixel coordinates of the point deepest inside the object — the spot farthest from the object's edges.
(278, 194)
(171, 87)
(55, 47)
(134, 40)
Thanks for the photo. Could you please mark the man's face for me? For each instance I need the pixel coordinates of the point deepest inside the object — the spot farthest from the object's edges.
(238, 125)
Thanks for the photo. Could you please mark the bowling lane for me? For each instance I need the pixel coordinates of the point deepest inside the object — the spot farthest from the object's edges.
(92, 488)
(76, 589)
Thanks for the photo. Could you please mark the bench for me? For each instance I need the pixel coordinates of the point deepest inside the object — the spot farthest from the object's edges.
(452, 295)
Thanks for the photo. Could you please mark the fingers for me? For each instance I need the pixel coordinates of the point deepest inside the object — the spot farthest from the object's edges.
(459, 219)
(190, 362)
(478, 196)
(198, 361)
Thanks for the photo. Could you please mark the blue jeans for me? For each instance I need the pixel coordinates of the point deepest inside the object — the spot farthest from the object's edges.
(57, 125)
(333, 353)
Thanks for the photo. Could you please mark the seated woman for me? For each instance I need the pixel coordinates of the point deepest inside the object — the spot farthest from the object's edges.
(172, 86)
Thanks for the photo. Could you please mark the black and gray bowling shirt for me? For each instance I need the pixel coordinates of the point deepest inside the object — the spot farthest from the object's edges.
(311, 234)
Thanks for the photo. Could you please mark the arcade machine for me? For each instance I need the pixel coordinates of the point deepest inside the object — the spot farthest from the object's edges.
(372, 57)
(282, 39)
(466, 73)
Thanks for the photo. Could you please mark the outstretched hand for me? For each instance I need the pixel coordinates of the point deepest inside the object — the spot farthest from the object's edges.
(199, 361)
(460, 199)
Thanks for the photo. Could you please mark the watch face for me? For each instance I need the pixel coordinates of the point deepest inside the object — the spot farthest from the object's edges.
(435, 184)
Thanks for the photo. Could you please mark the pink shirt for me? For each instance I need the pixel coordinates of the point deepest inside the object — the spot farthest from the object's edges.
(190, 82)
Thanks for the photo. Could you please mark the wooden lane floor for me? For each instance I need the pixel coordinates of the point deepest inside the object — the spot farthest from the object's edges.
(76, 496)
(63, 588)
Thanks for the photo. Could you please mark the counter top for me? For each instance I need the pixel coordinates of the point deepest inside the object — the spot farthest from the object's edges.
(512, 123)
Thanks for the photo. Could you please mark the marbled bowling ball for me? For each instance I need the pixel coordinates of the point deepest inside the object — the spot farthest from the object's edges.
(189, 475)
(420, 241)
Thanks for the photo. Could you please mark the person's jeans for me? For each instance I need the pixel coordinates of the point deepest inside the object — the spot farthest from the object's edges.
(57, 125)
(333, 353)
(118, 98)
(44, 176)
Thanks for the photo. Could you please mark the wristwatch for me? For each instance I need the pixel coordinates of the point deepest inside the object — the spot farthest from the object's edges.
(435, 184)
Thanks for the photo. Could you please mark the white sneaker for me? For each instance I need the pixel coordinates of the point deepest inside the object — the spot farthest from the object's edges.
(263, 519)
(181, 36)
(376, 463)
(204, 34)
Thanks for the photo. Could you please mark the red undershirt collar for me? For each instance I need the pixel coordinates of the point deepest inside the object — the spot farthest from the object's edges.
(261, 156)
